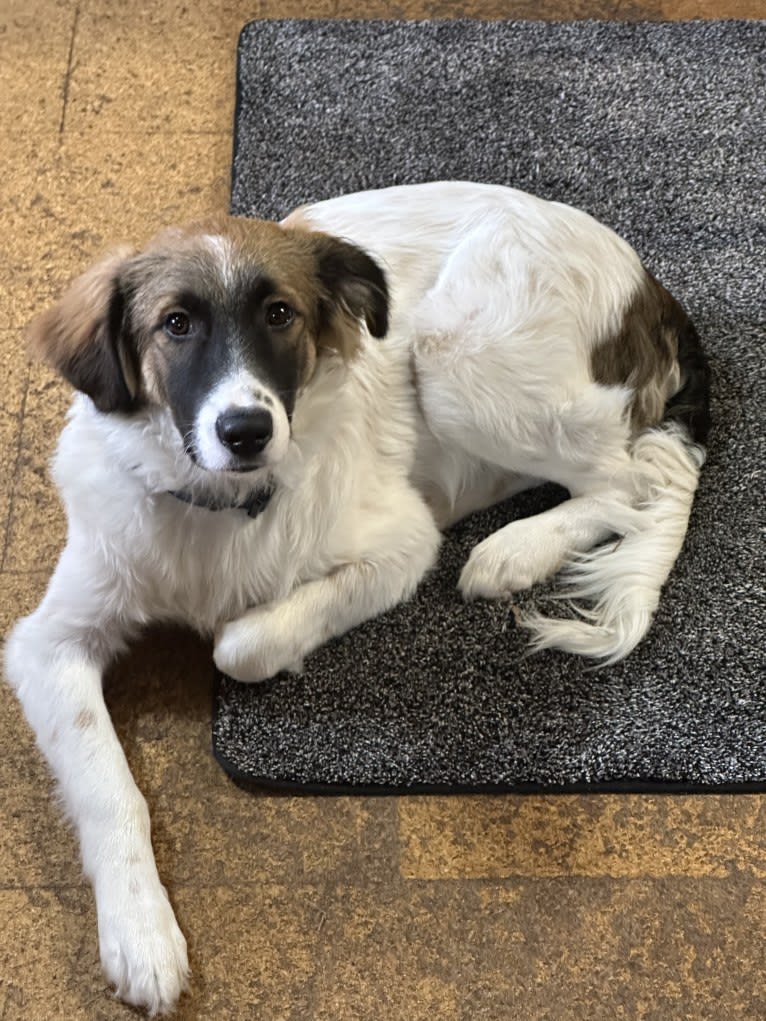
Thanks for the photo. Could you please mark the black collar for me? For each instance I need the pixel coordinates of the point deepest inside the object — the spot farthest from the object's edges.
(253, 504)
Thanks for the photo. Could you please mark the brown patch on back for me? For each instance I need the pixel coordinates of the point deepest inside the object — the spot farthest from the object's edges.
(643, 353)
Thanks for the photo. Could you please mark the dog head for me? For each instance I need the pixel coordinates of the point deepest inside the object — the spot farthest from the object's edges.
(220, 323)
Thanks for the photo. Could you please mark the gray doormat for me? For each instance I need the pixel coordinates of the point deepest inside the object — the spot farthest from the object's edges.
(658, 130)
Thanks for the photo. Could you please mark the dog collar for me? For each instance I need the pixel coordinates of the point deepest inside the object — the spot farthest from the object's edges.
(253, 504)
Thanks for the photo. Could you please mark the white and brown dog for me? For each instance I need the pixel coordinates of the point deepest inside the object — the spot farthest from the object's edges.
(275, 424)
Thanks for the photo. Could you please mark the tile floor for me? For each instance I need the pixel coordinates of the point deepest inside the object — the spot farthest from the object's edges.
(117, 117)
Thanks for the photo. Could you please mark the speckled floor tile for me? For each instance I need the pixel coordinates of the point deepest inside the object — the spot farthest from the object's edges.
(394, 953)
(619, 836)
(13, 358)
(27, 220)
(463, 909)
(252, 950)
(12, 401)
(552, 10)
(36, 525)
(317, 9)
(263, 968)
(19, 594)
(81, 198)
(170, 67)
(62, 196)
(685, 10)
(49, 957)
(36, 38)
(37, 846)
(564, 950)
(309, 9)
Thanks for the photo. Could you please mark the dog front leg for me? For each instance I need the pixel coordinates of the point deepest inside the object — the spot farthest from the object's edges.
(54, 659)
(277, 636)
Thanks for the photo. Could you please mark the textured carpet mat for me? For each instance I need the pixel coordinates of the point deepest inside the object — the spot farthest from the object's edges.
(657, 130)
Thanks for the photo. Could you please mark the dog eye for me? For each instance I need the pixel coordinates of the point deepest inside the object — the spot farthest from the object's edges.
(279, 315)
(177, 324)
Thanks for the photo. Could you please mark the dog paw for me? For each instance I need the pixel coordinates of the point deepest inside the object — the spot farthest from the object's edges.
(143, 951)
(257, 646)
(510, 560)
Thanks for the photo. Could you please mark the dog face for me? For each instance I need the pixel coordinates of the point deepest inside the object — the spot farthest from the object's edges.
(220, 323)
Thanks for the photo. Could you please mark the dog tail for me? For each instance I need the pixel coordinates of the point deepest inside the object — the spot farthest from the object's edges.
(621, 580)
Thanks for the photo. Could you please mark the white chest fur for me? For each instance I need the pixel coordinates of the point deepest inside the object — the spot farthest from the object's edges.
(169, 560)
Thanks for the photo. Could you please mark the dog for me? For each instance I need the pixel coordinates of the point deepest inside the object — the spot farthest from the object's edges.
(274, 424)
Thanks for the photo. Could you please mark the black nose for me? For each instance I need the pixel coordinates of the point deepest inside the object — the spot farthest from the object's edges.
(245, 431)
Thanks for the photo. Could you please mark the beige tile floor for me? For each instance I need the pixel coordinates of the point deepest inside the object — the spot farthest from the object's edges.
(117, 117)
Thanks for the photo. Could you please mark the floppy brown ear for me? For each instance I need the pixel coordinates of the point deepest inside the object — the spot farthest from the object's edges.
(356, 289)
(84, 336)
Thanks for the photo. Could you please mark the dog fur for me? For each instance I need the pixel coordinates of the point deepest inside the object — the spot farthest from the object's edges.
(375, 367)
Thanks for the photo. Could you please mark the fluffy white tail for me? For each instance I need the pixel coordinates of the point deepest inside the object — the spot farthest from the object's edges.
(621, 581)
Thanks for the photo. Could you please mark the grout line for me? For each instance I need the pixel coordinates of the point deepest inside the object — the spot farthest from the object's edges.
(15, 473)
(154, 131)
(326, 887)
(234, 884)
(14, 132)
(29, 572)
(69, 69)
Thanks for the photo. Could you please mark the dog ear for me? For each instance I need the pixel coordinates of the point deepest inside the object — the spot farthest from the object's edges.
(84, 336)
(356, 289)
